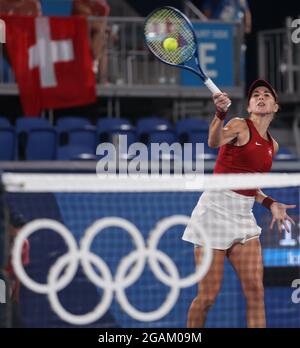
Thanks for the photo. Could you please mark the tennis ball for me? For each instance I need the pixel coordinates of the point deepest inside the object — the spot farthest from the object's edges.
(170, 44)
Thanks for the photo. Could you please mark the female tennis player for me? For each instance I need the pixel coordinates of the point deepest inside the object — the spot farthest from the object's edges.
(246, 146)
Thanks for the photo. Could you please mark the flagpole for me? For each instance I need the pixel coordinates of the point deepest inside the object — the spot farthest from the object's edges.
(51, 116)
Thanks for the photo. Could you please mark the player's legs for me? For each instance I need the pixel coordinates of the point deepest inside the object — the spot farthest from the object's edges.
(103, 61)
(98, 29)
(247, 261)
(99, 47)
(208, 288)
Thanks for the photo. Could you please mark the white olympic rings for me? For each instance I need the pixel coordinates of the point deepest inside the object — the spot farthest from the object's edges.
(123, 278)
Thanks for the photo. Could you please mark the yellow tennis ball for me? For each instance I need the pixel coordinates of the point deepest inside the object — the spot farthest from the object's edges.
(170, 44)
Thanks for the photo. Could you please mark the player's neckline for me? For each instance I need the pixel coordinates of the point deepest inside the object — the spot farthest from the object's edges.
(256, 130)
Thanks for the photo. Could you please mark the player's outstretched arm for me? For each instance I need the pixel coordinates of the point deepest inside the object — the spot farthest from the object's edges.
(218, 134)
(278, 210)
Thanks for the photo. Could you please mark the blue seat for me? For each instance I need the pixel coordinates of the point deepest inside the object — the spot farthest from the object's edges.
(158, 137)
(66, 123)
(41, 144)
(183, 127)
(163, 136)
(8, 141)
(25, 124)
(197, 136)
(109, 131)
(148, 124)
(285, 154)
(130, 134)
(208, 153)
(4, 122)
(122, 144)
(8, 73)
(191, 123)
(201, 136)
(56, 8)
(75, 152)
(83, 137)
(108, 124)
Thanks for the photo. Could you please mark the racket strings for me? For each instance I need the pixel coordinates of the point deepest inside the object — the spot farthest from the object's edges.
(167, 23)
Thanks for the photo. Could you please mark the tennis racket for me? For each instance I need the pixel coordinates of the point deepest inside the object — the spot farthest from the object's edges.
(168, 22)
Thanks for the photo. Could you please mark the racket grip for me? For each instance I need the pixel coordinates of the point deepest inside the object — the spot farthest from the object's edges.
(213, 88)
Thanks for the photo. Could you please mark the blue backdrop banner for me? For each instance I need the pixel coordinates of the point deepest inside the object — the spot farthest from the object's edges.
(215, 48)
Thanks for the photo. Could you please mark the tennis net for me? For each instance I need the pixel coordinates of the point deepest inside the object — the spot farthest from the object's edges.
(108, 252)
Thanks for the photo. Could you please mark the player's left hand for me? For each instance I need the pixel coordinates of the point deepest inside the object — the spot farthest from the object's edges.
(280, 215)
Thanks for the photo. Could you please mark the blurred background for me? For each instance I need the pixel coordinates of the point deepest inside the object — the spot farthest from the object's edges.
(118, 88)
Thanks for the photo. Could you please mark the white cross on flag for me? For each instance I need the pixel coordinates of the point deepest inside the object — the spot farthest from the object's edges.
(51, 60)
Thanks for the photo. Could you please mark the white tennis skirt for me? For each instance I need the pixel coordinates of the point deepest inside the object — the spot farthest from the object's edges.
(226, 217)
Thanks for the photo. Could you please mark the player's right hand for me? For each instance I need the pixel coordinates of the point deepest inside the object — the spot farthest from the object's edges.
(221, 101)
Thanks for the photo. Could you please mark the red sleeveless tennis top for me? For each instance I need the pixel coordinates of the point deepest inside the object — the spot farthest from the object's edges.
(254, 157)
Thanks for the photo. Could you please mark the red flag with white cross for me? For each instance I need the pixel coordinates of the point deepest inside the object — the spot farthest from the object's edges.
(51, 60)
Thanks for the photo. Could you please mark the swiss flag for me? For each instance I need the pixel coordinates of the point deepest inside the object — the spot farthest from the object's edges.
(51, 60)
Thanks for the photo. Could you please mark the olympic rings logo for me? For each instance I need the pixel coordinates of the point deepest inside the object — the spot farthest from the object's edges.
(123, 278)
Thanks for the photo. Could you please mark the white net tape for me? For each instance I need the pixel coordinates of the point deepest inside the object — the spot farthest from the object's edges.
(143, 183)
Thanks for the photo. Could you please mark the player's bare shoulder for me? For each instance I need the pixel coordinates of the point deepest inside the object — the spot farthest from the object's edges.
(237, 124)
(237, 131)
(275, 145)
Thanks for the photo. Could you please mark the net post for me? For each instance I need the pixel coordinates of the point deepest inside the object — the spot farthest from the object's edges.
(5, 304)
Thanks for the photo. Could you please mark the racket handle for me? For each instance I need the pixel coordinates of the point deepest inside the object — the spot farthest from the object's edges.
(213, 88)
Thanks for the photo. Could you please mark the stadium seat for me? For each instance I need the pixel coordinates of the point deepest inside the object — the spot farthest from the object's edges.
(7, 71)
(201, 136)
(208, 154)
(75, 152)
(148, 124)
(41, 144)
(112, 136)
(108, 124)
(285, 154)
(129, 131)
(108, 127)
(163, 136)
(107, 133)
(183, 127)
(66, 123)
(191, 123)
(159, 137)
(197, 136)
(131, 138)
(83, 137)
(8, 141)
(4, 122)
(56, 8)
(24, 124)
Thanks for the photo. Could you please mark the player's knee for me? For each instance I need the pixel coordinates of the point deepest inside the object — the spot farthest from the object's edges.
(254, 289)
(204, 302)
